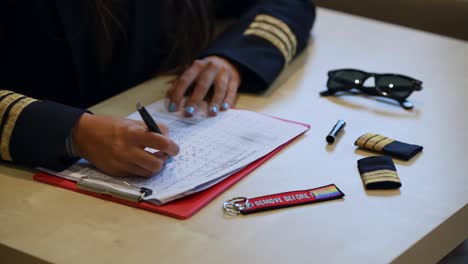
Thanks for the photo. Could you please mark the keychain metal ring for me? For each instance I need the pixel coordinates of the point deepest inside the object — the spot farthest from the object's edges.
(235, 205)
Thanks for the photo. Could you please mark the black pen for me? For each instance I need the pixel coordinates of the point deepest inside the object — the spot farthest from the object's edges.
(335, 130)
(149, 121)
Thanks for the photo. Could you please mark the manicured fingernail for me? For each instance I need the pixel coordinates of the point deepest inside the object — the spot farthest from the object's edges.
(172, 107)
(189, 110)
(169, 159)
(225, 106)
(214, 109)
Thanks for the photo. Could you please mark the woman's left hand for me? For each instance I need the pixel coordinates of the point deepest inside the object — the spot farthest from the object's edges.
(203, 74)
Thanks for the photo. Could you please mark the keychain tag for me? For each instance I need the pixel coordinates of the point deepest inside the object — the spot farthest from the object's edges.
(243, 205)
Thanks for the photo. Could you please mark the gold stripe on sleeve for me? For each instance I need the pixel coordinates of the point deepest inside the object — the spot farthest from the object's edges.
(4, 92)
(281, 25)
(10, 124)
(278, 33)
(270, 38)
(6, 102)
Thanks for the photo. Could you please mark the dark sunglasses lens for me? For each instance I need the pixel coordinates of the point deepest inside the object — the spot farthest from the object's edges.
(395, 86)
(345, 80)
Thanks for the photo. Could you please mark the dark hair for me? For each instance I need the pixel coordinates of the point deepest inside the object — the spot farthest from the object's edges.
(187, 26)
(109, 30)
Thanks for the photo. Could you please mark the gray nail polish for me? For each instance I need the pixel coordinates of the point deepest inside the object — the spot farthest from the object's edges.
(225, 106)
(214, 109)
(189, 110)
(169, 159)
(172, 107)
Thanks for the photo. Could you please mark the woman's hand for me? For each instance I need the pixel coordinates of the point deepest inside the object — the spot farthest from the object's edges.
(204, 73)
(116, 145)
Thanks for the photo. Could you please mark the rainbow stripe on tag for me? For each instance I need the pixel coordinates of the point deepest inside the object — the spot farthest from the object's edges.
(326, 192)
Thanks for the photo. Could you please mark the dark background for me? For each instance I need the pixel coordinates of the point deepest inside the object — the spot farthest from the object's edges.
(444, 17)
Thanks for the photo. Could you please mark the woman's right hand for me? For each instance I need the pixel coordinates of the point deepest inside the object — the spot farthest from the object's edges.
(116, 145)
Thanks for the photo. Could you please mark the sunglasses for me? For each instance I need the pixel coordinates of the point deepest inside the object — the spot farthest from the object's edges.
(394, 86)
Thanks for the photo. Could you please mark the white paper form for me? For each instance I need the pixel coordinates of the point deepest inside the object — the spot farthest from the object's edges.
(211, 149)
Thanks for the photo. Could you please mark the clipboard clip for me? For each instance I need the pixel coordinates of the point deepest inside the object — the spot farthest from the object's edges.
(114, 188)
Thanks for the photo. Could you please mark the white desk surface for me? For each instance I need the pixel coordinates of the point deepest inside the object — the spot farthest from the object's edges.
(419, 223)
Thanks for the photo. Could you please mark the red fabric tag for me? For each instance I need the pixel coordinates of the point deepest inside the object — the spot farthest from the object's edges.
(287, 199)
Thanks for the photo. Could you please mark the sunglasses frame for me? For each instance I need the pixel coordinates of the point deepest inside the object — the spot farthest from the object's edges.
(374, 90)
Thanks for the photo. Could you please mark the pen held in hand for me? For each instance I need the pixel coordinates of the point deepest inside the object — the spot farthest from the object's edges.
(149, 121)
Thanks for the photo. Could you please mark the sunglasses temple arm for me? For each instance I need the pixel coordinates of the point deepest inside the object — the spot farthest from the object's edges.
(369, 90)
(327, 93)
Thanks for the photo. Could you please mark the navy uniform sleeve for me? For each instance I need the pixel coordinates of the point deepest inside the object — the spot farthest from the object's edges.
(268, 36)
(34, 132)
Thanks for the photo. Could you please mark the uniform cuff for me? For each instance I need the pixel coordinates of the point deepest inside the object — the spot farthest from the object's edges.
(257, 74)
(40, 132)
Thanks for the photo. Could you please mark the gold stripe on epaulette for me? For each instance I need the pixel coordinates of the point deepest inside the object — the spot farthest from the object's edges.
(278, 33)
(382, 179)
(13, 115)
(270, 38)
(380, 175)
(373, 141)
(370, 143)
(281, 25)
(362, 139)
(382, 144)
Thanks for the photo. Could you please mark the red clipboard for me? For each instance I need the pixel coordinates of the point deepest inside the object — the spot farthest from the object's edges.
(182, 208)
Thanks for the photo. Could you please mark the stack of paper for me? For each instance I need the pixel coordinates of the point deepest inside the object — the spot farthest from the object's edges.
(211, 149)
